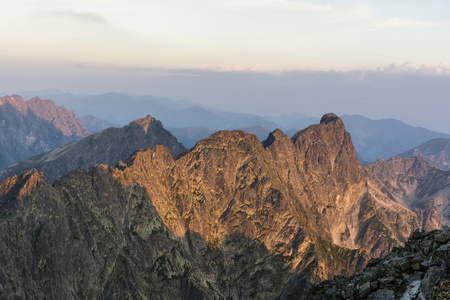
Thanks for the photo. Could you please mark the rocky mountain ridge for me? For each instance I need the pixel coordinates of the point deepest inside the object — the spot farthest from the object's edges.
(418, 185)
(436, 152)
(232, 218)
(35, 126)
(89, 238)
(284, 193)
(108, 147)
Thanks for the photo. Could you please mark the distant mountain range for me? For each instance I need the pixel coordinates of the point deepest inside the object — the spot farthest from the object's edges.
(108, 147)
(373, 139)
(436, 152)
(31, 127)
(95, 124)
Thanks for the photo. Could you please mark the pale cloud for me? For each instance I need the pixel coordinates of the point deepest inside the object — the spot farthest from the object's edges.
(398, 22)
(255, 6)
(236, 68)
(272, 4)
(83, 16)
(406, 68)
(137, 71)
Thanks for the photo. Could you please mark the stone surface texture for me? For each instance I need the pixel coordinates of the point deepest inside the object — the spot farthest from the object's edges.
(307, 199)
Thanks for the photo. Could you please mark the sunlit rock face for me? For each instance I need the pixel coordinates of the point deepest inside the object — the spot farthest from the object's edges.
(307, 199)
(233, 218)
(35, 126)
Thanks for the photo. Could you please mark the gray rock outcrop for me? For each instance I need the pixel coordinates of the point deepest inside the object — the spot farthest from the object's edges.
(420, 270)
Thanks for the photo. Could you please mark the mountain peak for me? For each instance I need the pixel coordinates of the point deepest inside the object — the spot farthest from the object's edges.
(275, 135)
(25, 182)
(108, 147)
(66, 121)
(328, 118)
(144, 122)
(15, 101)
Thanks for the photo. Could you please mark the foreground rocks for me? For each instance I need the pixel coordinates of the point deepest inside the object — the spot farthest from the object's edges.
(420, 270)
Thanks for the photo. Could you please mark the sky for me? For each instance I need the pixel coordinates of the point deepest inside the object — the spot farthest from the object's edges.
(381, 59)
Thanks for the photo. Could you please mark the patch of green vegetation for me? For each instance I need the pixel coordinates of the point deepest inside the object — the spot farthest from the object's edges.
(338, 258)
(378, 226)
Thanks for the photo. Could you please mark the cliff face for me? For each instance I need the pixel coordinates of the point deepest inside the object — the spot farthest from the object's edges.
(416, 184)
(108, 147)
(307, 199)
(66, 121)
(35, 126)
